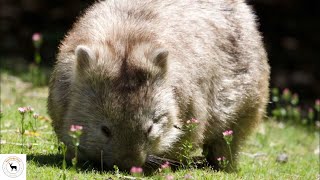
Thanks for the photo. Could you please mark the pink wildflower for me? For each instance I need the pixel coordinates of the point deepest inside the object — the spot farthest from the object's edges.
(193, 120)
(165, 165)
(35, 115)
(22, 110)
(286, 91)
(221, 158)
(188, 176)
(310, 113)
(74, 128)
(135, 170)
(227, 136)
(36, 37)
(286, 94)
(37, 40)
(29, 109)
(227, 133)
(169, 177)
(317, 105)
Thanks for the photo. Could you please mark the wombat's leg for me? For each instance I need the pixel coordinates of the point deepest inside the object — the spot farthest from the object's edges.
(218, 148)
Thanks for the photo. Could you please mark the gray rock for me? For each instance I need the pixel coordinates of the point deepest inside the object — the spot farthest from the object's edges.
(282, 158)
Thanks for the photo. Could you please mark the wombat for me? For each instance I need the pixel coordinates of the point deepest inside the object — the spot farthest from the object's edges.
(134, 73)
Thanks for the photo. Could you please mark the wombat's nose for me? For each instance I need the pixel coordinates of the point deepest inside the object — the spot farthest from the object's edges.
(129, 160)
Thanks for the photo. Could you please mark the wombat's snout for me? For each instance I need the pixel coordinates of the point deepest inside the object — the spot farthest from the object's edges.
(128, 160)
(126, 151)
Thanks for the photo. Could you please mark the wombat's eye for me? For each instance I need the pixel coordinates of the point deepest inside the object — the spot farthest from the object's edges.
(156, 120)
(149, 129)
(106, 131)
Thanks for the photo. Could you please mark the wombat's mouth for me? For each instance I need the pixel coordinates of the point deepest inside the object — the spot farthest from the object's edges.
(151, 164)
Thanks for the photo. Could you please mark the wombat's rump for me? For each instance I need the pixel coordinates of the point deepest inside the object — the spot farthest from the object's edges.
(133, 72)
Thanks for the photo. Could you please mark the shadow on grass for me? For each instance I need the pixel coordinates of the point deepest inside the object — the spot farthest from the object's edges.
(54, 160)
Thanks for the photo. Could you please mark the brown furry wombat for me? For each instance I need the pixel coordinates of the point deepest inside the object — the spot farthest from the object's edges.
(133, 72)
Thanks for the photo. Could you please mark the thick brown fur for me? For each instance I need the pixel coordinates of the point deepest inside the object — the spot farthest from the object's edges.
(132, 72)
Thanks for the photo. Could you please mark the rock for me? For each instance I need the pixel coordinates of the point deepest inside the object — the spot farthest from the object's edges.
(282, 158)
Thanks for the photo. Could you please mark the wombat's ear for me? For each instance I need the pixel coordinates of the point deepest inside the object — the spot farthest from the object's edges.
(161, 58)
(84, 56)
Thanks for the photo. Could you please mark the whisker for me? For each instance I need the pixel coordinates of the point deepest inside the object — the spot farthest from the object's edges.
(160, 160)
(85, 163)
(153, 161)
(101, 160)
(152, 165)
(149, 165)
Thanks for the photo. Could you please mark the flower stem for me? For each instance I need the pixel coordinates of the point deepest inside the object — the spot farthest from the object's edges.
(37, 56)
(64, 162)
(75, 159)
(231, 158)
(0, 129)
(22, 133)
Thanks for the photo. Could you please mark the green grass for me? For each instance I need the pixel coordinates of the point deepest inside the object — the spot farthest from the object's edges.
(257, 159)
